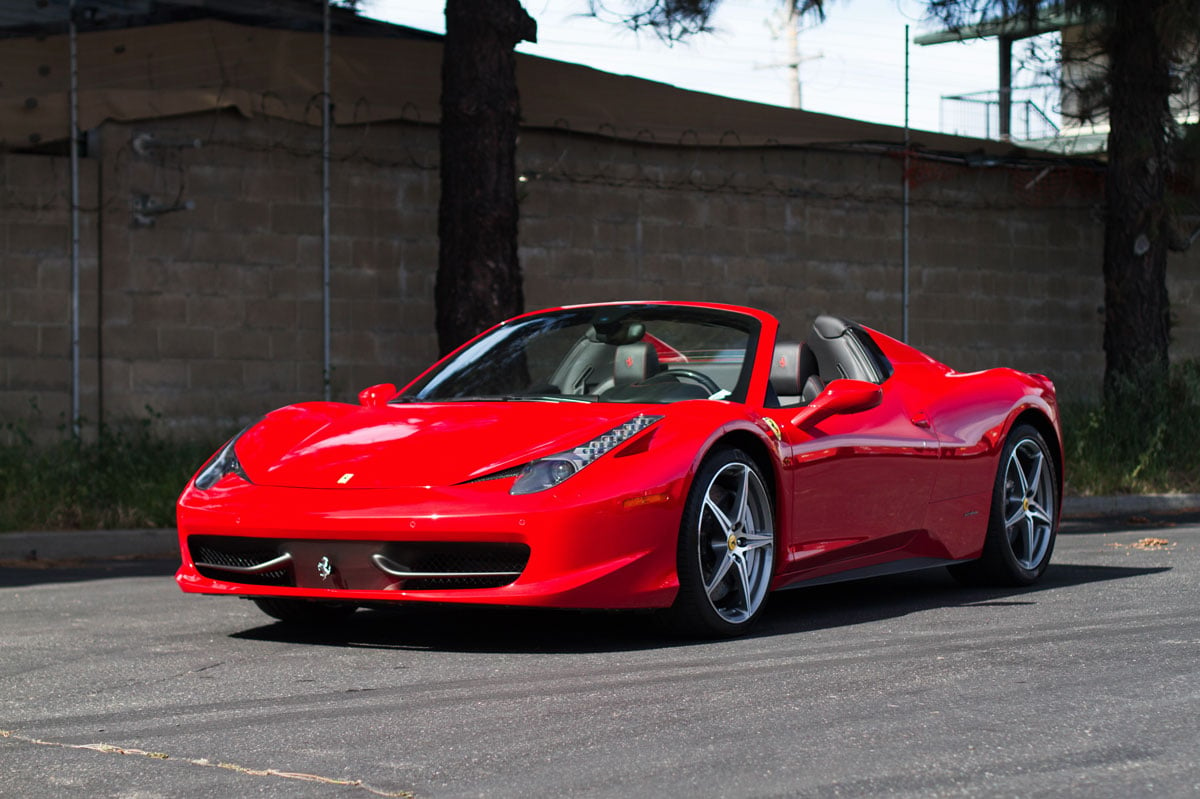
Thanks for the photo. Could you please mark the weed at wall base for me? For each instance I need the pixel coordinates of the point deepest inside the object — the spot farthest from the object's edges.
(1144, 438)
(125, 476)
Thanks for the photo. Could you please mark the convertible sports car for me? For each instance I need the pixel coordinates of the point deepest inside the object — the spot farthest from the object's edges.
(679, 456)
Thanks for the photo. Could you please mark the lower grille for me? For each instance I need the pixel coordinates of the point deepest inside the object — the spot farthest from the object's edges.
(358, 565)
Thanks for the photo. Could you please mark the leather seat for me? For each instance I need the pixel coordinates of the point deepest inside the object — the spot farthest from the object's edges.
(633, 363)
(794, 372)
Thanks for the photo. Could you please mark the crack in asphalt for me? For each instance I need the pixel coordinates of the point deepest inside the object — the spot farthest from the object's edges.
(111, 749)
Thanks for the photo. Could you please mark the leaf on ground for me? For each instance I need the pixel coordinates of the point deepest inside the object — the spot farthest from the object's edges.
(1144, 543)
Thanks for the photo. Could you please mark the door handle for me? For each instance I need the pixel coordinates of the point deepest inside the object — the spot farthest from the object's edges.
(920, 420)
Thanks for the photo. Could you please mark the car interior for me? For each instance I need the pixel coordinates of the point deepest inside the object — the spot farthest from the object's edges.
(836, 348)
(623, 365)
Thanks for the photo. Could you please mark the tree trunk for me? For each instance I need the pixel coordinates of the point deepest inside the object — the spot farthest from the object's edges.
(479, 277)
(1136, 223)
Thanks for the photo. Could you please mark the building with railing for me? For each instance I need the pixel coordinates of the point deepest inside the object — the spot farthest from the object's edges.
(1068, 116)
(978, 114)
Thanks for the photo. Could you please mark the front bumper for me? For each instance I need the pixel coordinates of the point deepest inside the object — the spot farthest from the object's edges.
(461, 544)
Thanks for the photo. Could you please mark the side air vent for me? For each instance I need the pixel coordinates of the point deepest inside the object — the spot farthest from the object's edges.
(433, 565)
(244, 560)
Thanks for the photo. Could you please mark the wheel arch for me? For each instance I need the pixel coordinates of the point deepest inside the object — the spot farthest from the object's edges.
(1040, 422)
(759, 452)
(766, 459)
(696, 609)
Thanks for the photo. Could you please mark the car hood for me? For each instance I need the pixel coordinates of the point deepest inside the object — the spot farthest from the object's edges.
(330, 445)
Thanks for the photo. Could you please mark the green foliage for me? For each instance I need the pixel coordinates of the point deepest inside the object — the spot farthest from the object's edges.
(1144, 438)
(128, 476)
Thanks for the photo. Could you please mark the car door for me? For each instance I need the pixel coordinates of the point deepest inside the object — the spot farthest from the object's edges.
(860, 483)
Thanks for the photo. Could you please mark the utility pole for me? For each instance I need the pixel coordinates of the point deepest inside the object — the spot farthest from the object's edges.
(791, 32)
(793, 62)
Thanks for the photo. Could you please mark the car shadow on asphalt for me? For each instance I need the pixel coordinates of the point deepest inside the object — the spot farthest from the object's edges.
(851, 603)
(522, 630)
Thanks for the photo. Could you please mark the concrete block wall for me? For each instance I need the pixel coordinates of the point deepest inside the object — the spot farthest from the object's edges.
(35, 279)
(704, 225)
(212, 314)
(1000, 274)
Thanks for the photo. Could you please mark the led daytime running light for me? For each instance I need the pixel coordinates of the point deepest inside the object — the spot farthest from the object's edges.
(601, 444)
(550, 471)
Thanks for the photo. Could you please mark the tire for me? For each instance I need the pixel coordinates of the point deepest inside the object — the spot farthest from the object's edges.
(305, 612)
(1023, 521)
(726, 553)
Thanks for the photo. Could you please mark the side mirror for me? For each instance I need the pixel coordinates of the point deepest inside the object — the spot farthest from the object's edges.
(376, 396)
(839, 397)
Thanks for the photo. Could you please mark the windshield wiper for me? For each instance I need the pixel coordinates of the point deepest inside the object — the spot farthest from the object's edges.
(550, 398)
(502, 398)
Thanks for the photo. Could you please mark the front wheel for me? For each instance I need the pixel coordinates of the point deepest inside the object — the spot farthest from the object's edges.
(1024, 515)
(726, 552)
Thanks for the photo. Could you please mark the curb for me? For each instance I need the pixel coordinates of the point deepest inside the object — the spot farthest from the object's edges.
(162, 543)
(89, 544)
(1129, 504)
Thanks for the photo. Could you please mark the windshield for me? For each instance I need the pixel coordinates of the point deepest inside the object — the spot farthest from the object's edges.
(626, 353)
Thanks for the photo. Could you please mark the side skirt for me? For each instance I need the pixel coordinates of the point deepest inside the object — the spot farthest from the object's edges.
(879, 570)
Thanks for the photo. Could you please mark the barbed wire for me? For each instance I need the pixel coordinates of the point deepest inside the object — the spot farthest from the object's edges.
(641, 161)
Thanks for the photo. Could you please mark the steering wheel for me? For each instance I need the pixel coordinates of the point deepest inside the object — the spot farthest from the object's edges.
(704, 380)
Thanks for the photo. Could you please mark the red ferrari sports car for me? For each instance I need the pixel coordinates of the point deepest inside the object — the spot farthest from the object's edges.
(669, 455)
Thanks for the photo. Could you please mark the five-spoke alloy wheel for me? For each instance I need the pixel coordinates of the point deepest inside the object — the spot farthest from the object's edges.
(726, 552)
(1024, 514)
(1028, 503)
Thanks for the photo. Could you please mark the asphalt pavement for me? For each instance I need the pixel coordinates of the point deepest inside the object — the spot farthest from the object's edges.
(113, 683)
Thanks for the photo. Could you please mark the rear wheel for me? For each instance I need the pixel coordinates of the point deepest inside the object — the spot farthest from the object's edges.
(305, 612)
(726, 552)
(1024, 515)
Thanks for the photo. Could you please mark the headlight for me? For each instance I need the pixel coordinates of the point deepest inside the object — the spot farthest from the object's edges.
(550, 471)
(223, 463)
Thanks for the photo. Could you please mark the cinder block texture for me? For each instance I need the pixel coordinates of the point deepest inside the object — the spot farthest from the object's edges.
(201, 277)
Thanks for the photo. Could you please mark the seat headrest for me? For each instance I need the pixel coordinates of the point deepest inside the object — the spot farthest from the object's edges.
(785, 369)
(634, 363)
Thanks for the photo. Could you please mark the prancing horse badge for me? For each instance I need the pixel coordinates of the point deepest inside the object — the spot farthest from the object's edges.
(324, 568)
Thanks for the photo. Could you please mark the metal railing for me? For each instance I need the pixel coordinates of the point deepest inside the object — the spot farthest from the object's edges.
(977, 114)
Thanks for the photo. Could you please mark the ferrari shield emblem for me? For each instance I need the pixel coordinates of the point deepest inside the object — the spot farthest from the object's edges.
(324, 568)
(771, 423)
(345, 478)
